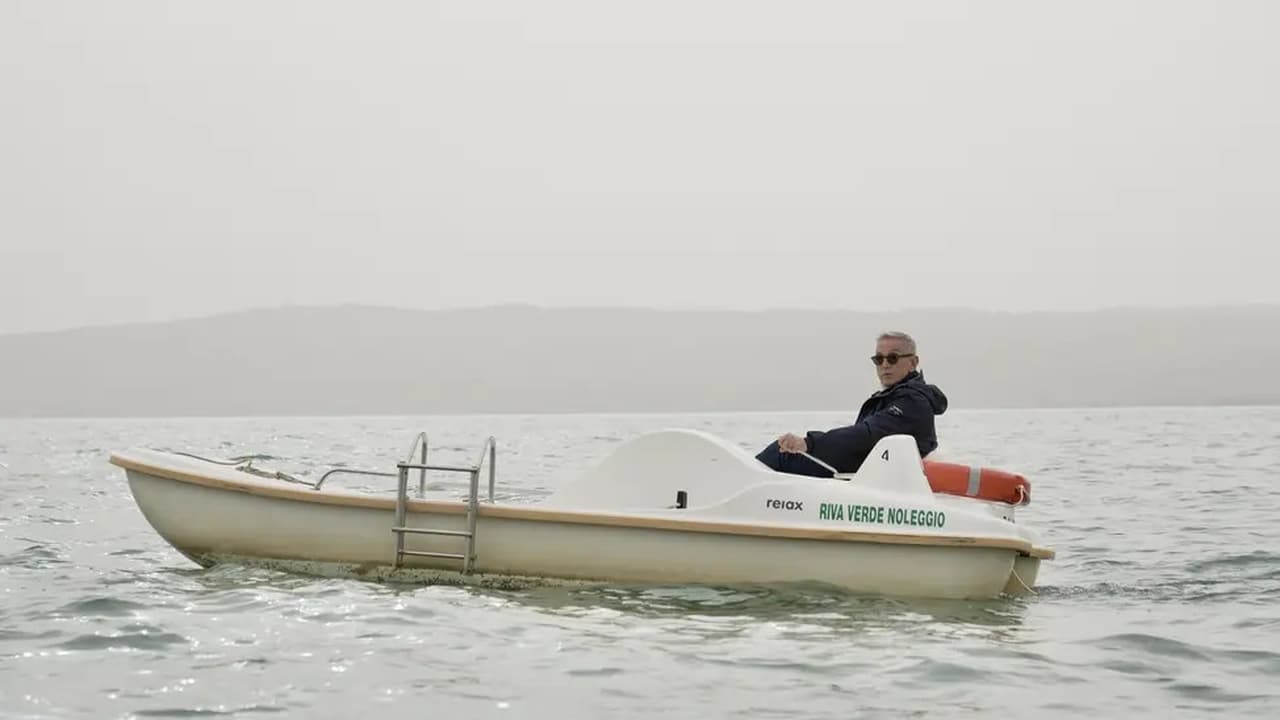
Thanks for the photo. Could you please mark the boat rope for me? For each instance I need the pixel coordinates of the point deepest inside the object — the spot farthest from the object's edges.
(232, 461)
(833, 470)
(273, 474)
(247, 467)
(1023, 584)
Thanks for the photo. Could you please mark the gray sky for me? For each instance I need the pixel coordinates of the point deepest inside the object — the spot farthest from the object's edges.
(162, 159)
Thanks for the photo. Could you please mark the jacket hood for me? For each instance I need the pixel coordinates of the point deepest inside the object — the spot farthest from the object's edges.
(914, 383)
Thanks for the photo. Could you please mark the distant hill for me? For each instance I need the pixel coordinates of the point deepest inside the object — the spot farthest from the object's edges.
(362, 360)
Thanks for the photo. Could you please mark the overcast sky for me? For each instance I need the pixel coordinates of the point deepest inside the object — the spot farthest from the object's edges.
(163, 159)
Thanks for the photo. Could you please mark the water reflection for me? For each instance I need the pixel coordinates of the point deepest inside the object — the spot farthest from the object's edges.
(797, 606)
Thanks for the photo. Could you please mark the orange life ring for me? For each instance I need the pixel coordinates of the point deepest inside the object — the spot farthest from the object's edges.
(978, 482)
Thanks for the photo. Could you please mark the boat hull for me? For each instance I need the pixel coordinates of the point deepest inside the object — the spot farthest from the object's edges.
(211, 524)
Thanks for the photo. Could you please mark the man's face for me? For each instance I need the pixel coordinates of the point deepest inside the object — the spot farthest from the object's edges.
(889, 372)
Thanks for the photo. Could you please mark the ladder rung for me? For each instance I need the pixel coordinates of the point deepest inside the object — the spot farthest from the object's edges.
(429, 531)
(423, 553)
(445, 468)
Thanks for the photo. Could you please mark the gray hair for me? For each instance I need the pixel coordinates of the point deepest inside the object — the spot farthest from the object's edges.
(909, 341)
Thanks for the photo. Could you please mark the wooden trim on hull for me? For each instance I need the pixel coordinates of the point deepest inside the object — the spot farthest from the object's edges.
(536, 514)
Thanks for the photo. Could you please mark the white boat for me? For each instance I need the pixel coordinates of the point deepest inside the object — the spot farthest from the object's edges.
(675, 506)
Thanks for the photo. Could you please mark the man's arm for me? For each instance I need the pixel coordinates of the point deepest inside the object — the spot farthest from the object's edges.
(845, 447)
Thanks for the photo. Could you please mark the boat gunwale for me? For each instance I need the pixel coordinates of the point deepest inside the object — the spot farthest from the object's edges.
(579, 517)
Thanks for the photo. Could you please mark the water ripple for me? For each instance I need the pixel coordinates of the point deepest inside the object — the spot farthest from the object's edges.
(203, 712)
(100, 607)
(134, 637)
(35, 557)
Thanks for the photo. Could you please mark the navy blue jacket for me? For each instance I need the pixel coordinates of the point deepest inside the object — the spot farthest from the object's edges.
(906, 408)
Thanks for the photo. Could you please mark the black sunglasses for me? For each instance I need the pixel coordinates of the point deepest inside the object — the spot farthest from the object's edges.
(893, 358)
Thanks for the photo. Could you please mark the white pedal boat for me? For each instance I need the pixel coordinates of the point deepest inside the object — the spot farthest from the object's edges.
(674, 506)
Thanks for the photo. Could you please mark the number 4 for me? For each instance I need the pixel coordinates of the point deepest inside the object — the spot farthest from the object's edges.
(885, 456)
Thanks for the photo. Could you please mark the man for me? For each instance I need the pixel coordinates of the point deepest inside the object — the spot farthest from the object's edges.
(905, 405)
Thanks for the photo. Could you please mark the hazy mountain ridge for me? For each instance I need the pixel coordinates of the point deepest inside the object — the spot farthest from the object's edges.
(368, 360)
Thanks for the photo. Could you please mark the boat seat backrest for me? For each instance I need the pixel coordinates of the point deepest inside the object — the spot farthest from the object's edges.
(650, 470)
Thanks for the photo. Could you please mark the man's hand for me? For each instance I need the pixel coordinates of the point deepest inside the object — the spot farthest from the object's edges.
(792, 444)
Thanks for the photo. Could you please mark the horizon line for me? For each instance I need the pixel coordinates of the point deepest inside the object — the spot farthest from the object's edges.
(724, 310)
(1265, 405)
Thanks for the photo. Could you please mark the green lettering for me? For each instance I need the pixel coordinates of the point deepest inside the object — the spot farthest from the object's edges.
(832, 511)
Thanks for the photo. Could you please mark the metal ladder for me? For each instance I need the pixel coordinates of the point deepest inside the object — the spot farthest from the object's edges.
(468, 555)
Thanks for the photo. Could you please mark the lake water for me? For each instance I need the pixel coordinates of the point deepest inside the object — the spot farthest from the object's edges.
(1164, 600)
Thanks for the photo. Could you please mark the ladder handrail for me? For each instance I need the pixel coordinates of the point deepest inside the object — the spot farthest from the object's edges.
(348, 471)
(490, 448)
(420, 441)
